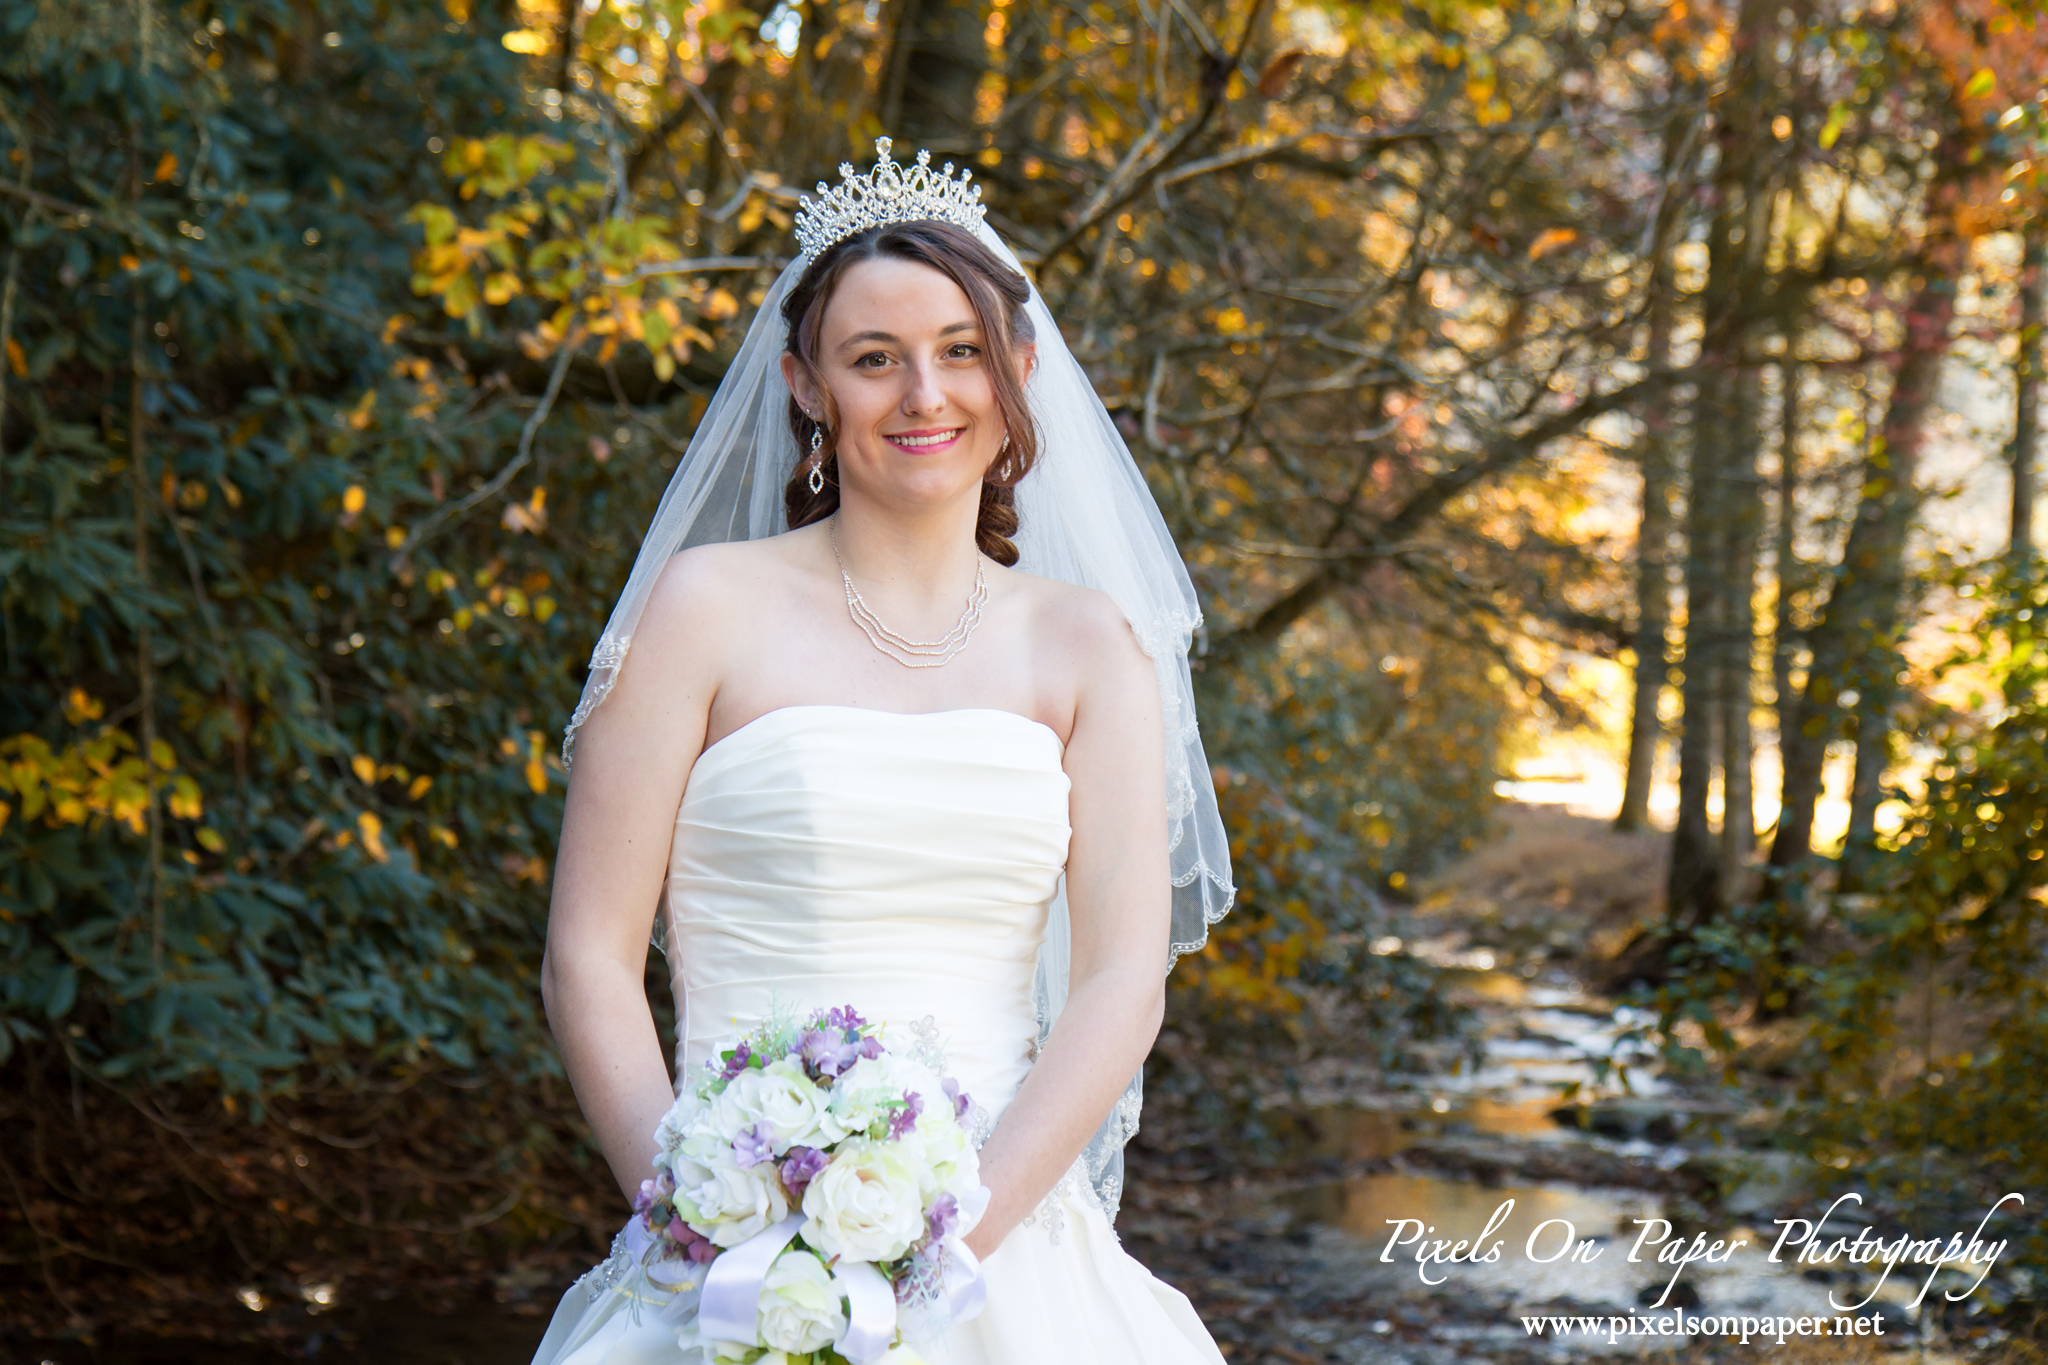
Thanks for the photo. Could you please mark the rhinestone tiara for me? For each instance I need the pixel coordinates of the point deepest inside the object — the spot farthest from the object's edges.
(887, 194)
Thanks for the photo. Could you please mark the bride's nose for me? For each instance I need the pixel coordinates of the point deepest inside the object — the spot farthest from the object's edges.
(922, 391)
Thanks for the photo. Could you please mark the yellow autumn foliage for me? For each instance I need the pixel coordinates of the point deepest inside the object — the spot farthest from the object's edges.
(104, 777)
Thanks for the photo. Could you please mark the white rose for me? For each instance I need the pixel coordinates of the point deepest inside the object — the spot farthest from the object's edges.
(676, 1124)
(733, 1353)
(791, 1104)
(903, 1074)
(719, 1199)
(865, 1205)
(799, 1305)
(948, 1160)
(699, 1351)
(685, 1161)
(738, 1107)
(859, 1097)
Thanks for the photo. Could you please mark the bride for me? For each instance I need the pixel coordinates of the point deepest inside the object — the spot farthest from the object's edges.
(910, 753)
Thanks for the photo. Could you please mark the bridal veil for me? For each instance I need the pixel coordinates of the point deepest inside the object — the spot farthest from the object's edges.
(1086, 517)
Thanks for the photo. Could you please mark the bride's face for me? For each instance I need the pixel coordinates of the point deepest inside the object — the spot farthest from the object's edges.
(907, 368)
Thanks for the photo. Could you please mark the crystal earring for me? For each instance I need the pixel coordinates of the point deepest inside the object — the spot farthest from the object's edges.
(817, 479)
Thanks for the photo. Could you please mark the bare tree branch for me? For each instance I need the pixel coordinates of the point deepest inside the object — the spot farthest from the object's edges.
(1422, 506)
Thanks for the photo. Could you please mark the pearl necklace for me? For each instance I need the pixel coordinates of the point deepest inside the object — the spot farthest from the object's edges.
(912, 653)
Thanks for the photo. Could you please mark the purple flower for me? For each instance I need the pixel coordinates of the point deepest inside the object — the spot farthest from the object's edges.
(737, 1062)
(943, 1218)
(652, 1192)
(800, 1167)
(754, 1146)
(962, 1102)
(687, 1241)
(826, 1054)
(871, 1047)
(845, 1018)
(905, 1118)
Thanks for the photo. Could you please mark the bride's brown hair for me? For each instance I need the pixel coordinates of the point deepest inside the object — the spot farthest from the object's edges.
(998, 295)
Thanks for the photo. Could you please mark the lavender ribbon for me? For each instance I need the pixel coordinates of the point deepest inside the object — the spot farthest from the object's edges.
(730, 1306)
(966, 1292)
(635, 1237)
(870, 1312)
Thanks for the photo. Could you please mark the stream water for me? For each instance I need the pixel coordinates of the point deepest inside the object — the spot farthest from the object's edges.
(1444, 1158)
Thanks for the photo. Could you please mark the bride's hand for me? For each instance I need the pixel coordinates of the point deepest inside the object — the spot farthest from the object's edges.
(986, 1236)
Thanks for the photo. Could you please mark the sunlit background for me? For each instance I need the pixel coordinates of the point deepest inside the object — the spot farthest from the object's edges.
(1592, 428)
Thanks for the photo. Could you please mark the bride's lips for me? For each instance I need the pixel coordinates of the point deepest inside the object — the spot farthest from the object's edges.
(924, 442)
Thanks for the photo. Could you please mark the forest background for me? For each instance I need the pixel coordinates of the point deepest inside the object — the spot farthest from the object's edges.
(1569, 364)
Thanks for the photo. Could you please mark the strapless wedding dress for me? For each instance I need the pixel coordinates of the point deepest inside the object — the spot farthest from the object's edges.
(904, 865)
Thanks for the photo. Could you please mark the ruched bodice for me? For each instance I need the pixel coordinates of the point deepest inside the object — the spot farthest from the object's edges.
(898, 863)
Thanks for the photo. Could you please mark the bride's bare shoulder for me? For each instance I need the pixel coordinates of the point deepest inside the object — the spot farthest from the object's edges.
(1086, 653)
(1084, 624)
(704, 588)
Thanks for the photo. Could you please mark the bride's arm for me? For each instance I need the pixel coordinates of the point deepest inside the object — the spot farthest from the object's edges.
(633, 756)
(1119, 906)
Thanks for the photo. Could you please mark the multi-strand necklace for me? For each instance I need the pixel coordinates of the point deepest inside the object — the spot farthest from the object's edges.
(912, 653)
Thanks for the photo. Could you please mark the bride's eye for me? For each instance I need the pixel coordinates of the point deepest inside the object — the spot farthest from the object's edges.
(871, 361)
(962, 351)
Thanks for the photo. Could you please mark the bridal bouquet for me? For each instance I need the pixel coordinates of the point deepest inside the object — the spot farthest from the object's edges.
(823, 1184)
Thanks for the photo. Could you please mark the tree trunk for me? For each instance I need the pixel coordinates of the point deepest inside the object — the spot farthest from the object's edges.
(1737, 636)
(1653, 534)
(1785, 551)
(2026, 434)
(1693, 888)
(1025, 39)
(1855, 641)
(1873, 710)
(1721, 520)
(143, 495)
(935, 66)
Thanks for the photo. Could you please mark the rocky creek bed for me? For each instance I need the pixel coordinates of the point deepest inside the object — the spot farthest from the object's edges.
(1293, 1263)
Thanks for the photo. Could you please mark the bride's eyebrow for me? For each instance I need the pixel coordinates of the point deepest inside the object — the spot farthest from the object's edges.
(891, 339)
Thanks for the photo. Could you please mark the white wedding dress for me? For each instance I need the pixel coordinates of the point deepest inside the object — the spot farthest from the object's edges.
(902, 864)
